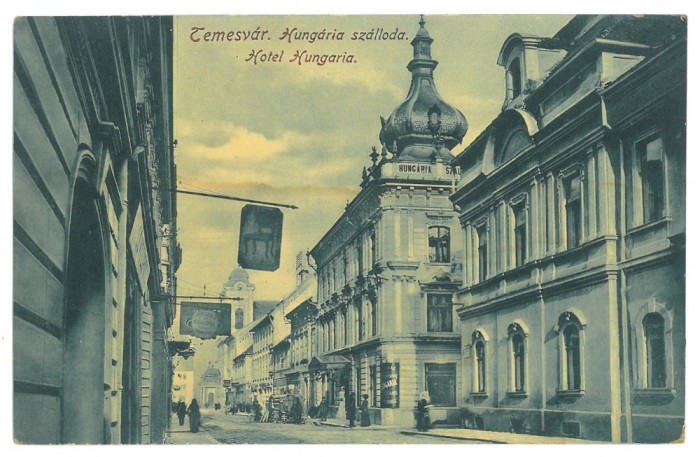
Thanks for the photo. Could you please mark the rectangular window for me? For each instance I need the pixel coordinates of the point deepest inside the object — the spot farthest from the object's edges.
(373, 248)
(520, 234)
(439, 244)
(358, 386)
(651, 158)
(360, 321)
(345, 269)
(572, 189)
(656, 351)
(346, 327)
(359, 263)
(483, 252)
(439, 312)
(440, 382)
(373, 315)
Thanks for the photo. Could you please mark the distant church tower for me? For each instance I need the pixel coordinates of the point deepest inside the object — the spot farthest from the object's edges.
(239, 286)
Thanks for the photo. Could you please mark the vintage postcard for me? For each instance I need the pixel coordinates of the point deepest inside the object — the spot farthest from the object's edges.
(349, 229)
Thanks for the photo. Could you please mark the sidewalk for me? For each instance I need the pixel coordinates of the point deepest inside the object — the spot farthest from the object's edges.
(498, 437)
(344, 423)
(182, 435)
(469, 434)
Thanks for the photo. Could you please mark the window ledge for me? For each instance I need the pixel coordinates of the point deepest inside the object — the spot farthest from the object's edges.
(571, 393)
(664, 393)
(649, 225)
(479, 395)
(516, 394)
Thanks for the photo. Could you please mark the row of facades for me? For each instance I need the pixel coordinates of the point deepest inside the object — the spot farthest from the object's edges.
(533, 283)
(95, 252)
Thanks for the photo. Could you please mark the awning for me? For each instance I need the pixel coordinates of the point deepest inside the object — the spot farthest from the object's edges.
(295, 370)
(327, 362)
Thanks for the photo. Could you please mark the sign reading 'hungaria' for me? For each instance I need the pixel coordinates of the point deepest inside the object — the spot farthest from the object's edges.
(420, 168)
(205, 320)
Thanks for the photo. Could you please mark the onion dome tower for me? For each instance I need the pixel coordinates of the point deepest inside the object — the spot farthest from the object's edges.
(423, 127)
(237, 275)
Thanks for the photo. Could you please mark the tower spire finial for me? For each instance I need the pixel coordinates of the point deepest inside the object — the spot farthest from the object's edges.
(422, 21)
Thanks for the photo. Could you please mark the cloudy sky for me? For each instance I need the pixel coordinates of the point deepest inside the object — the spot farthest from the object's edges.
(300, 134)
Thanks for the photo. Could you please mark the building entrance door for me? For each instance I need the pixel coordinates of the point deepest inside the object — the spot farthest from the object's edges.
(83, 418)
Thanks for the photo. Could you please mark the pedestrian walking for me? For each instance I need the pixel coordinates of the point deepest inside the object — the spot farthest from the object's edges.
(267, 410)
(181, 411)
(297, 411)
(364, 411)
(257, 411)
(350, 408)
(323, 410)
(423, 418)
(193, 412)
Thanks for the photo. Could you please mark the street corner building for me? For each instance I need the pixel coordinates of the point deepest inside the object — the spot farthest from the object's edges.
(389, 267)
(572, 209)
(95, 249)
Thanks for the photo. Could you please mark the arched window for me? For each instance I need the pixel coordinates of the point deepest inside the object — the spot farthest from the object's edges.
(571, 353)
(481, 366)
(238, 315)
(439, 244)
(572, 344)
(655, 350)
(479, 345)
(514, 79)
(517, 338)
(519, 362)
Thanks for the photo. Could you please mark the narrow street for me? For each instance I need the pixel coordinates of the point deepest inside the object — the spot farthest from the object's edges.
(226, 429)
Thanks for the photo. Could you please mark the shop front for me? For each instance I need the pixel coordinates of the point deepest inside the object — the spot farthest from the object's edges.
(330, 376)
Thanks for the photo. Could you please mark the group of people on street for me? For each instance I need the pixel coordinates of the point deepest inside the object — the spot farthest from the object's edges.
(351, 411)
(287, 409)
(181, 409)
(296, 411)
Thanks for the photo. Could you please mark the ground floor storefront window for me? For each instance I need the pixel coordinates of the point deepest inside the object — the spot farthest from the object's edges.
(441, 382)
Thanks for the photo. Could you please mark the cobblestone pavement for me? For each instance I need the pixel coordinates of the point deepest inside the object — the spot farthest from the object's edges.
(239, 429)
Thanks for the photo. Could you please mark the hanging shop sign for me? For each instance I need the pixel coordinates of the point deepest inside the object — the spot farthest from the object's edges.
(260, 238)
(390, 385)
(205, 320)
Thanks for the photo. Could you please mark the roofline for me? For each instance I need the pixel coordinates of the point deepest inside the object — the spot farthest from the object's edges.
(527, 40)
